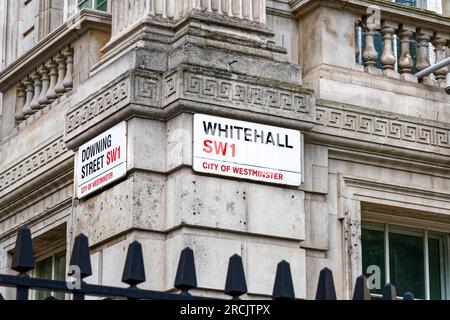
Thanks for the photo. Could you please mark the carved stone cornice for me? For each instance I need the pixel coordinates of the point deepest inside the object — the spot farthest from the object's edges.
(40, 164)
(188, 89)
(381, 132)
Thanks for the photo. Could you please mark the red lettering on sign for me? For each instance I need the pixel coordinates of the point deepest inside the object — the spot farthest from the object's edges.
(112, 155)
(219, 148)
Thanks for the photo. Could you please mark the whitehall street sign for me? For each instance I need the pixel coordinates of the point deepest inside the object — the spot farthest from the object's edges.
(247, 150)
(102, 160)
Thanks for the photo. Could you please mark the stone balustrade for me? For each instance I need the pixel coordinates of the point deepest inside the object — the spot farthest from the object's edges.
(44, 85)
(406, 49)
(127, 12)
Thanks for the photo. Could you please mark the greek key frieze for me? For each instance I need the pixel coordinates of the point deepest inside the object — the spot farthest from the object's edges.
(99, 104)
(38, 159)
(382, 127)
(241, 92)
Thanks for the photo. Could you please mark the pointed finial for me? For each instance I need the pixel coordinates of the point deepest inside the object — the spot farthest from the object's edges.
(23, 260)
(283, 287)
(134, 271)
(408, 296)
(361, 290)
(325, 287)
(389, 292)
(235, 285)
(186, 277)
(80, 256)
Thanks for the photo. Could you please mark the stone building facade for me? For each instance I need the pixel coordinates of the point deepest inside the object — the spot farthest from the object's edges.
(376, 139)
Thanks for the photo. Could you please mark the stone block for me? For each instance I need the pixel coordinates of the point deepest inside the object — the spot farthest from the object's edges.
(317, 223)
(262, 260)
(146, 145)
(234, 205)
(212, 251)
(211, 254)
(179, 141)
(315, 168)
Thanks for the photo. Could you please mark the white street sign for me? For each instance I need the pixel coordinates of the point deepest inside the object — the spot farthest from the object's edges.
(102, 160)
(247, 150)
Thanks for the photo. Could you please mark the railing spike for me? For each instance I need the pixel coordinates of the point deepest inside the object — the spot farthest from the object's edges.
(235, 284)
(134, 271)
(186, 277)
(389, 292)
(408, 296)
(325, 287)
(283, 287)
(361, 290)
(23, 260)
(80, 256)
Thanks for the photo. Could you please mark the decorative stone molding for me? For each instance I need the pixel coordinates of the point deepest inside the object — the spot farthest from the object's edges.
(33, 162)
(239, 92)
(104, 103)
(379, 126)
(152, 95)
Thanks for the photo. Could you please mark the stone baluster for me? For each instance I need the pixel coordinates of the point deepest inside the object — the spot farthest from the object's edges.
(256, 7)
(406, 62)
(370, 55)
(36, 77)
(235, 8)
(439, 41)
(27, 111)
(59, 88)
(423, 37)
(215, 5)
(204, 4)
(43, 71)
(51, 93)
(127, 12)
(225, 5)
(68, 80)
(388, 58)
(245, 9)
(19, 116)
(159, 7)
(170, 9)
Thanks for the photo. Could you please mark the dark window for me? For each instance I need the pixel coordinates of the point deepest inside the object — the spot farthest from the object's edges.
(409, 252)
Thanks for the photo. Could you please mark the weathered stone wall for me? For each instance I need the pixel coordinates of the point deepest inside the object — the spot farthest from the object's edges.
(371, 142)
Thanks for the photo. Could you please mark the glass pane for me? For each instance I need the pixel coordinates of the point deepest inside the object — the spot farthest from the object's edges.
(373, 255)
(60, 272)
(407, 264)
(411, 3)
(43, 271)
(102, 5)
(434, 257)
(85, 4)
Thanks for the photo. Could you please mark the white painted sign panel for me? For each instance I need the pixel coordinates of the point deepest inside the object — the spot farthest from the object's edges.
(102, 160)
(247, 150)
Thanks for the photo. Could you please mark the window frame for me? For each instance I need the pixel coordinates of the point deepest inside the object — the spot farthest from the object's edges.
(95, 4)
(51, 253)
(416, 228)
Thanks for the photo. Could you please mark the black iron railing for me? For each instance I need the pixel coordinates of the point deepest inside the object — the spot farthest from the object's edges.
(185, 280)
